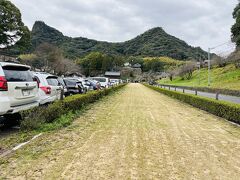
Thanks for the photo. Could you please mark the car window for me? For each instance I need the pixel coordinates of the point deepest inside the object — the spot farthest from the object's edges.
(52, 81)
(17, 74)
(70, 83)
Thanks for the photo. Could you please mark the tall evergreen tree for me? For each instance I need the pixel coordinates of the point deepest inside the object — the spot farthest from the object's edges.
(236, 27)
(12, 29)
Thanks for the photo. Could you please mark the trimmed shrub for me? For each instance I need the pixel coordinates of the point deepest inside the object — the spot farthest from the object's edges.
(222, 109)
(34, 118)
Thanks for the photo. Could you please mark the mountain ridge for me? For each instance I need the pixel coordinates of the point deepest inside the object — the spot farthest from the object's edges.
(152, 43)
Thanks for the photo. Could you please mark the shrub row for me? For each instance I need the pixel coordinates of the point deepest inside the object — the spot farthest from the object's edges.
(229, 92)
(33, 118)
(222, 109)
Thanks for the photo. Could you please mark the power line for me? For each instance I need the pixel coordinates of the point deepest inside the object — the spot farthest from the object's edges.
(225, 43)
(225, 51)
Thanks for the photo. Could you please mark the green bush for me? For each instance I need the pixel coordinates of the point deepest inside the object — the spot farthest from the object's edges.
(222, 109)
(34, 118)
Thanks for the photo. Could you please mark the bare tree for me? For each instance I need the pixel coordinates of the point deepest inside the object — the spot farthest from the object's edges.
(235, 58)
(186, 71)
(50, 56)
(219, 61)
(67, 66)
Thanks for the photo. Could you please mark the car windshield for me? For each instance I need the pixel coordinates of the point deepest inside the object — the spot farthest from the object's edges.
(17, 74)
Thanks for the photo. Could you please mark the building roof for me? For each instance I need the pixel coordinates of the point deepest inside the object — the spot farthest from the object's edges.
(110, 73)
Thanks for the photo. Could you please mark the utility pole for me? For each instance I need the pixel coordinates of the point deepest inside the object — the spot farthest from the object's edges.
(209, 67)
(209, 61)
(199, 66)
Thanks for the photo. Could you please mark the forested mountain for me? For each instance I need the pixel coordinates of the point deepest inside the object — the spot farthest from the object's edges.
(153, 43)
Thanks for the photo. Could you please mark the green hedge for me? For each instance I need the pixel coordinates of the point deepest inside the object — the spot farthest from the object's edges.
(222, 109)
(33, 118)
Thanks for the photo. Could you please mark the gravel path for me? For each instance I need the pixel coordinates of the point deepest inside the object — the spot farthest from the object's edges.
(136, 133)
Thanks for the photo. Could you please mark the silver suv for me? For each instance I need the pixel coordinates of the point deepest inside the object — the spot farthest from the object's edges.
(18, 90)
(49, 87)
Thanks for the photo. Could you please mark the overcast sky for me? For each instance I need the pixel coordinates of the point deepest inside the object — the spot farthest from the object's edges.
(204, 23)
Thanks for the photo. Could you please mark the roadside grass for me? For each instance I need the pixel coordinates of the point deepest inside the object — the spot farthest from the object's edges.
(65, 120)
(7, 142)
(62, 122)
(227, 77)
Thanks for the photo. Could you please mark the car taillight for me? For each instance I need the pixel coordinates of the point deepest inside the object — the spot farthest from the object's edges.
(46, 89)
(3, 84)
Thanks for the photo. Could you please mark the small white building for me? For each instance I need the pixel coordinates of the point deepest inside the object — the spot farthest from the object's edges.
(127, 64)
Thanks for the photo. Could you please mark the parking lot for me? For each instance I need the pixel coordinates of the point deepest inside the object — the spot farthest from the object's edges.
(136, 133)
(22, 89)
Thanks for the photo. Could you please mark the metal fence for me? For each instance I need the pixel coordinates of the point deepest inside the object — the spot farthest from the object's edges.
(184, 89)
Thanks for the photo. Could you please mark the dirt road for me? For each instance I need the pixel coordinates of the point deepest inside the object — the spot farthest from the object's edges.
(136, 133)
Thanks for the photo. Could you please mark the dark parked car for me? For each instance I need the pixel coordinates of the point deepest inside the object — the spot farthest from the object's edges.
(73, 86)
(93, 85)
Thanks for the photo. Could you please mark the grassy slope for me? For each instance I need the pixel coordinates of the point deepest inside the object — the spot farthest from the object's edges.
(225, 78)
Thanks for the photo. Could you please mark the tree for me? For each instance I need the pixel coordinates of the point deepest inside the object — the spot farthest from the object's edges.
(50, 56)
(97, 63)
(171, 72)
(186, 71)
(24, 44)
(12, 29)
(236, 27)
(219, 61)
(154, 64)
(50, 59)
(92, 63)
(67, 66)
(31, 60)
(107, 63)
(235, 58)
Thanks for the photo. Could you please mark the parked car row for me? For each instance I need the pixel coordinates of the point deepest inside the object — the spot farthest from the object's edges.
(22, 89)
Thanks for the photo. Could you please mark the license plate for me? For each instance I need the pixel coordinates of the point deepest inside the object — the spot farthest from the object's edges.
(26, 92)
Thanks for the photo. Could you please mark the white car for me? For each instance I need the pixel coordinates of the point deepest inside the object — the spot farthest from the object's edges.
(114, 82)
(18, 90)
(49, 87)
(104, 82)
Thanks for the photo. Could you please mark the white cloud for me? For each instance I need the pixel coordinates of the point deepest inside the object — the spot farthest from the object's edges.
(200, 23)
